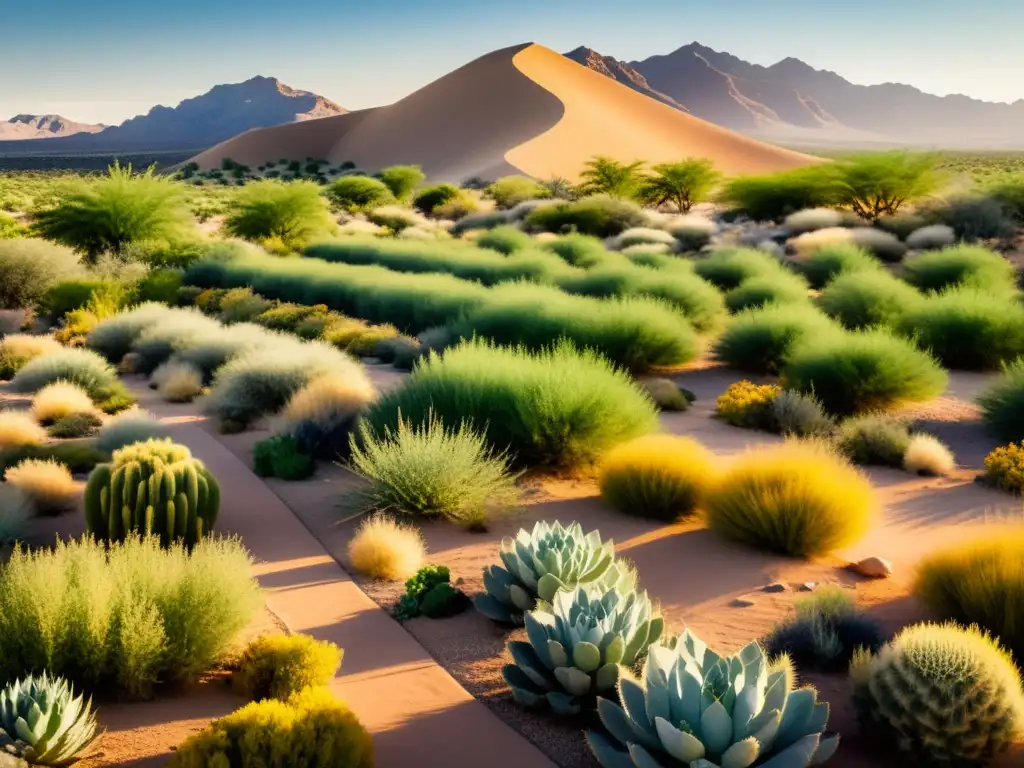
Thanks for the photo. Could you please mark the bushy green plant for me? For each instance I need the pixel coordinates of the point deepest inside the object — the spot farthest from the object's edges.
(939, 695)
(577, 646)
(241, 305)
(684, 184)
(1004, 468)
(756, 292)
(975, 217)
(506, 240)
(359, 193)
(155, 488)
(693, 707)
(825, 632)
(30, 268)
(67, 295)
(606, 176)
(76, 366)
(281, 456)
(312, 729)
(799, 415)
(292, 213)
(600, 216)
(430, 198)
(961, 265)
(401, 180)
(431, 470)
(868, 298)
(824, 264)
(429, 593)
(277, 666)
(556, 408)
(43, 722)
(861, 371)
(106, 214)
(1002, 404)
(160, 285)
(759, 340)
(772, 197)
(874, 439)
(968, 328)
(132, 614)
(728, 268)
(876, 184)
(540, 562)
(75, 425)
(510, 191)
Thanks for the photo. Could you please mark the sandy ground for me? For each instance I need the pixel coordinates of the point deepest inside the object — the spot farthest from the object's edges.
(524, 109)
(693, 574)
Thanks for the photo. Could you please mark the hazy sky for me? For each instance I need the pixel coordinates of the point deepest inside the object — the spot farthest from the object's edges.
(107, 60)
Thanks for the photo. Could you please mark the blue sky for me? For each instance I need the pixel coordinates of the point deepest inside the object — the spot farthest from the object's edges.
(106, 60)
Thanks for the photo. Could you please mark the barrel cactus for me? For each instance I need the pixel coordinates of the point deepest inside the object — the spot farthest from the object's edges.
(577, 645)
(943, 695)
(152, 488)
(538, 563)
(43, 722)
(697, 709)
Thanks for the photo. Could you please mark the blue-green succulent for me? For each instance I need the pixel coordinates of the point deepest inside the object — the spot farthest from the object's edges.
(43, 722)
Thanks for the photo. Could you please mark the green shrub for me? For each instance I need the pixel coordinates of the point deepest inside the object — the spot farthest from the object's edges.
(132, 615)
(756, 292)
(599, 216)
(747, 405)
(401, 180)
(259, 382)
(281, 456)
(939, 695)
(75, 425)
(312, 729)
(827, 262)
(77, 456)
(759, 340)
(132, 426)
(868, 298)
(975, 218)
(797, 415)
(772, 197)
(77, 366)
(31, 268)
(432, 470)
(510, 191)
(860, 371)
(506, 240)
(968, 328)
(429, 593)
(475, 221)
(874, 439)
(727, 269)
(580, 250)
(429, 198)
(114, 336)
(1002, 404)
(293, 214)
(877, 184)
(277, 666)
(961, 265)
(10, 228)
(160, 285)
(106, 214)
(606, 176)
(68, 295)
(359, 193)
(558, 407)
(642, 236)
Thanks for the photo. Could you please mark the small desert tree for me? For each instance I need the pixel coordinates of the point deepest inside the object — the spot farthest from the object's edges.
(123, 207)
(430, 198)
(509, 191)
(605, 176)
(402, 180)
(270, 210)
(359, 193)
(879, 184)
(684, 184)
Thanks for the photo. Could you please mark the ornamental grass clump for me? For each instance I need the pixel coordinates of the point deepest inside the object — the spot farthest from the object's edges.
(16, 349)
(323, 414)
(824, 264)
(59, 400)
(131, 426)
(1002, 404)
(18, 430)
(386, 549)
(874, 439)
(114, 336)
(75, 366)
(759, 340)
(46, 483)
(727, 269)
(966, 265)
(869, 298)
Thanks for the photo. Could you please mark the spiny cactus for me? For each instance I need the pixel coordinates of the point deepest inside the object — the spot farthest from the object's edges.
(152, 488)
(576, 648)
(538, 563)
(43, 722)
(943, 695)
(697, 709)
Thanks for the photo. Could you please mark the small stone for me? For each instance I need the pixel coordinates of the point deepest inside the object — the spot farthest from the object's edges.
(742, 602)
(808, 586)
(873, 568)
(777, 586)
(459, 581)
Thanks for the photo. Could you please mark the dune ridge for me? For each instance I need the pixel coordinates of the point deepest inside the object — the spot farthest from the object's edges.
(524, 109)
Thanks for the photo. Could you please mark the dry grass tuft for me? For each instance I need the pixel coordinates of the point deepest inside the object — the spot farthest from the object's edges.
(16, 349)
(18, 430)
(178, 382)
(927, 455)
(47, 483)
(385, 549)
(60, 400)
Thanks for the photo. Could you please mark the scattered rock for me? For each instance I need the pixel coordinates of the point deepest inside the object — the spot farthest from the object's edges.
(777, 586)
(807, 586)
(873, 568)
(742, 602)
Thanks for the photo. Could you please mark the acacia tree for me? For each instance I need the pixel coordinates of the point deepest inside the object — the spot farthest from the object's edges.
(879, 184)
(605, 176)
(684, 184)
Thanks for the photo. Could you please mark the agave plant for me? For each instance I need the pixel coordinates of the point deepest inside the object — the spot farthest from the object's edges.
(43, 722)
(540, 563)
(576, 647)
(697, 709)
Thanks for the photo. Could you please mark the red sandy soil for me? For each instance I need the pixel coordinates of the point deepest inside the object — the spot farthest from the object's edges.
(524, 109)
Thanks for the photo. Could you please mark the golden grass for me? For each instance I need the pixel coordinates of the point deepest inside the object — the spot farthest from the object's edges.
(329, 399)
(659, 476)
(979, 581)
(47, 483)
(276, 666)
(60, 399)
(179, 382)
(16, 349)
(18, 429)
(927, 455)
(385, 549)
(801, 499)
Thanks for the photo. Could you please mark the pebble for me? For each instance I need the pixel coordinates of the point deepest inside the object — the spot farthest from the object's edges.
(873, 567)
(742, 602)
(777, 586)
(808, 586)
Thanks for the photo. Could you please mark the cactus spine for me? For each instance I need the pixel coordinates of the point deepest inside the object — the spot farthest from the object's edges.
(155, 488)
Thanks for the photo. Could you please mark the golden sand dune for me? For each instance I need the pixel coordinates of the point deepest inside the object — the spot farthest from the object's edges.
(525, 110)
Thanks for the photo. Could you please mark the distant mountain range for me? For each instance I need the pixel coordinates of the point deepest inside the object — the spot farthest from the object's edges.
(792, 101)
(197, 123)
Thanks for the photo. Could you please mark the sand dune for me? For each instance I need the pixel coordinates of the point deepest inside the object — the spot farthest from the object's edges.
(524, 109)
